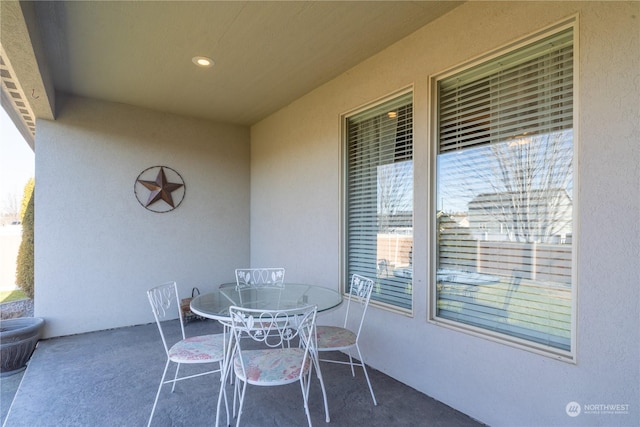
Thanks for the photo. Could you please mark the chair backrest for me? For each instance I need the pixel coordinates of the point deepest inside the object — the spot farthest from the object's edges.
(259, 278)
(360, 293)
(165, 305)
(274, 328)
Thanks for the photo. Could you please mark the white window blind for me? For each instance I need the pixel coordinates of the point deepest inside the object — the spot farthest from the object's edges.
(379, 199)
(505, 194)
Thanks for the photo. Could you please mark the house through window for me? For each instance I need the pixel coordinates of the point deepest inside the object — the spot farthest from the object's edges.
(379, 199)
(504, 197)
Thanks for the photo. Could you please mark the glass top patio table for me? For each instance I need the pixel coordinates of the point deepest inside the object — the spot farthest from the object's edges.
(215, 304)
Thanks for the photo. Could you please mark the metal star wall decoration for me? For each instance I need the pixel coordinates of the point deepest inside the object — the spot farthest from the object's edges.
(160, 189)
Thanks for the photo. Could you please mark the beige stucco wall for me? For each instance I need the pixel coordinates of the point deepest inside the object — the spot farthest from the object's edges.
(97, 249)
(295, 216)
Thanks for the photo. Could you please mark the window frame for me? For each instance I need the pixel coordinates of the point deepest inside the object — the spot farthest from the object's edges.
(433, 96)
(344, 194)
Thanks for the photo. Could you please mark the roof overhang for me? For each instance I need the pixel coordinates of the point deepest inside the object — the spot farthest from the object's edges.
(27, 87)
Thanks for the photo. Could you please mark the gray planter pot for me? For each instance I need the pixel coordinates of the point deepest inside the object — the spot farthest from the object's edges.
(18, 339)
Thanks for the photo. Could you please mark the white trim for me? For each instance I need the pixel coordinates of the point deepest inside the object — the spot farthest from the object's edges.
(371, 104)
(343, 191)
(555, 353)
(509, 47)
(576, 188)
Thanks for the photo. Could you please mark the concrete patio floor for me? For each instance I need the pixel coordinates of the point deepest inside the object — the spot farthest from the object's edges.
(109, 378)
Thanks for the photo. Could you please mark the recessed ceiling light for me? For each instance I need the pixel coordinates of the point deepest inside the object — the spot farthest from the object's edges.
(202, 61)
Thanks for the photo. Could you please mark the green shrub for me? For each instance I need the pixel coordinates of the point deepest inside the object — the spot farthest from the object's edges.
(24, 267)
(26, 196)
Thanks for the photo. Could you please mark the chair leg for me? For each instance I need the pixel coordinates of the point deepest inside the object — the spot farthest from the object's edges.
(353, 372)
(364, 368)
(236, 393)
(222, 392)
(175, 378)
(155, 402)
(316, 362)
(241, 397)
(304, 386)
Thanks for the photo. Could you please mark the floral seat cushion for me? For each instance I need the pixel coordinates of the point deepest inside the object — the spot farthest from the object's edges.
(334, 337)
(199, 349)
(271, 366)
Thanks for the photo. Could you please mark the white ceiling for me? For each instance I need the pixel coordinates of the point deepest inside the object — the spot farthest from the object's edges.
(267, 54)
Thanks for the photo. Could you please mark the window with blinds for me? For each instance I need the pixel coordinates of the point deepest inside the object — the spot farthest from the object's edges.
(379, 199)
(504, 196)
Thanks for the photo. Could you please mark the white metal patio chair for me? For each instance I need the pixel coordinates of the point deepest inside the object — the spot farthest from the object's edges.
(274, 363)
(335, 338)
(260, 277)
(265, 277)
(201, 349)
